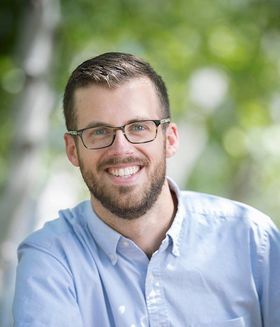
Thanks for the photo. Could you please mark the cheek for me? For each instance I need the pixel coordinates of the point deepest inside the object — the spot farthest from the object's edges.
(157, 153)
(154, 151)
(87, 160)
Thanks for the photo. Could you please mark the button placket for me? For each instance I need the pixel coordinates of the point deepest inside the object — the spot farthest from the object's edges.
(154, 293)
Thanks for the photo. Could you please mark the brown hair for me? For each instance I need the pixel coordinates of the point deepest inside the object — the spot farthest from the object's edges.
(110, 69)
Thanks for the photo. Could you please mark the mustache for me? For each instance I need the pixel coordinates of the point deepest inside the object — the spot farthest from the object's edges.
(117, 161)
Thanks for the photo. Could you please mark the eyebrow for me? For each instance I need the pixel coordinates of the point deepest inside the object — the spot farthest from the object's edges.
(100, 123)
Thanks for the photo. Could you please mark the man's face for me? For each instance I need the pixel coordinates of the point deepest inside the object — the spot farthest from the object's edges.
(125, 178)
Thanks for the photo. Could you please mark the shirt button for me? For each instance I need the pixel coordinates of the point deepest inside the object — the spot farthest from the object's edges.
(125, 243)
(112, 257)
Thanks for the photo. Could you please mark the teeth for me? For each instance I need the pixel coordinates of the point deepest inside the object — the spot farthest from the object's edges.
(124, 172)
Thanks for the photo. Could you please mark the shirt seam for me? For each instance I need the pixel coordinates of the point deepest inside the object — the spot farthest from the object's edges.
(261, 255)
(46, 251)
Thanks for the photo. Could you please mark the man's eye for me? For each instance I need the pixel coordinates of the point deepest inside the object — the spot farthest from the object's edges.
(138, 127)
(100, 131)
(96, 132)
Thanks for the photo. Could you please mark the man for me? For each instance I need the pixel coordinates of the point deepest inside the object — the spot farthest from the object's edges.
(141, 252)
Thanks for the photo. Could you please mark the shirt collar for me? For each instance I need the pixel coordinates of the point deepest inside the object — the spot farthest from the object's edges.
(175, 231)
(108, 239)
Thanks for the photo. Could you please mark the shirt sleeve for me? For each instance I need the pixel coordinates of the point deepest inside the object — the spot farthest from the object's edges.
(45, 292)
(269, 264)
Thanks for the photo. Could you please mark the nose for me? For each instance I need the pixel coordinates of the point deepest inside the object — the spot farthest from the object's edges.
(121, 144)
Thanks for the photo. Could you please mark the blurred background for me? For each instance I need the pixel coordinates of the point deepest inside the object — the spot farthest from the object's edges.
(220, 61)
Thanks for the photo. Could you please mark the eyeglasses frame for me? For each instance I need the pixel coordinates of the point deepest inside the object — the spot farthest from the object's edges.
(157, 122)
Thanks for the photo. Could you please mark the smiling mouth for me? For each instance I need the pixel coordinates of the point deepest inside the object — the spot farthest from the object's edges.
(124, 172)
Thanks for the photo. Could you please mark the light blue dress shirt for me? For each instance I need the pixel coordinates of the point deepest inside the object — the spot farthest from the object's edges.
(218, 266)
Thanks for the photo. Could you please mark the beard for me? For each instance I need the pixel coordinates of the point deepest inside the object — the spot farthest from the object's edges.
(124, 201)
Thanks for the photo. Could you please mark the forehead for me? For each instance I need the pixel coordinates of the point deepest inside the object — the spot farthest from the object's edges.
(133, 99)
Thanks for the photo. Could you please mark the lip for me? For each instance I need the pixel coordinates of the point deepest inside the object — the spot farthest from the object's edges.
(123, 171)
(127, 179)
(119, 163)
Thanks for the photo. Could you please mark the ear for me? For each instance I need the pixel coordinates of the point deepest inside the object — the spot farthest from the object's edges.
(71, 149)
(172, 140)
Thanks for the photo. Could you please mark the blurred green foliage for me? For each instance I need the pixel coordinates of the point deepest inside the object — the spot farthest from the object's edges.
(241, 39)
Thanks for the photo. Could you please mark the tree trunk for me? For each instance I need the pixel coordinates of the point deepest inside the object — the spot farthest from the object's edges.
(31, 111)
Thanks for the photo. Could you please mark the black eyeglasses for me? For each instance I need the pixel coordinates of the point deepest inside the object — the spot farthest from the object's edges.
(142, 131)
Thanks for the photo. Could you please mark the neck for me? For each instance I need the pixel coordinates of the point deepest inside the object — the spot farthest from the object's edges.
(149, 230)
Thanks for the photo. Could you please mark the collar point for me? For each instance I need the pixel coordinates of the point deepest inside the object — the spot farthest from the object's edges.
(176, 252)
(113, 258)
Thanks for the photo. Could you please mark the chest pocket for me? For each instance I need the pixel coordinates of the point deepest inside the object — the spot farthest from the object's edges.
(238, 322)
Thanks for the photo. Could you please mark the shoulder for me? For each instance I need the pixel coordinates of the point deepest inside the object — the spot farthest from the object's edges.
(215, 209)
(242, 225)
(207, 204)
(58, 231)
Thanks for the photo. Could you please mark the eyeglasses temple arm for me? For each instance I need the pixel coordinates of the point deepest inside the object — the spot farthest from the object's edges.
(165, 121)
(74, 133)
